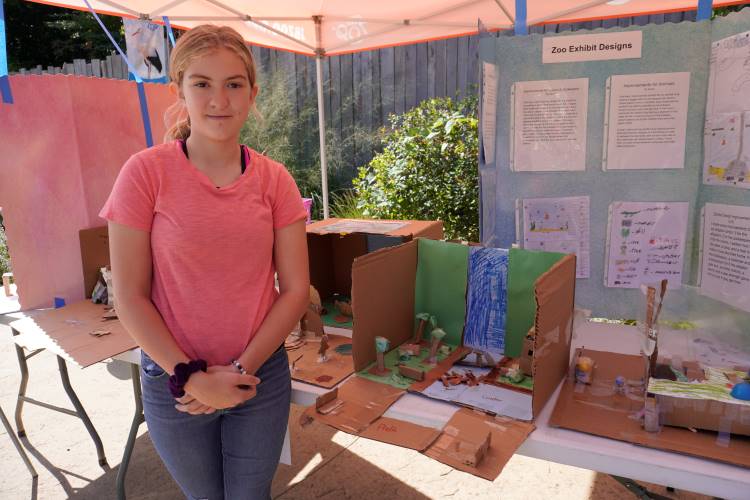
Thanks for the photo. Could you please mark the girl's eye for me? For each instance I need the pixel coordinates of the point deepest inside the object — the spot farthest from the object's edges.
(201, 84)
(235, 85)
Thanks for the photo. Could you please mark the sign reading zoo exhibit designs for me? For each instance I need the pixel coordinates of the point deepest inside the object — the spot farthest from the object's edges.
(725, 264)
(646, 243)
(548, 129)
(645, 121)
(599, 47)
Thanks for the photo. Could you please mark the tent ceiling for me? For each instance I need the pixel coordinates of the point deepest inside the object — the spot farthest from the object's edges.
(350, 25)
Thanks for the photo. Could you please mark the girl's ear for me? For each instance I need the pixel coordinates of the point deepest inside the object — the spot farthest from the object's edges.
(254, 93)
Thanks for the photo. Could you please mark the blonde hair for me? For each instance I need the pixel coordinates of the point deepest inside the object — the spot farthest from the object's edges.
(198, 42)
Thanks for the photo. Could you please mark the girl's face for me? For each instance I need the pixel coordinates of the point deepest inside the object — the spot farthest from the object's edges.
(217, 95)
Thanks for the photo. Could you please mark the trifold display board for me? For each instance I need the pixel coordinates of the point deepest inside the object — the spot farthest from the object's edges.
(593, 142)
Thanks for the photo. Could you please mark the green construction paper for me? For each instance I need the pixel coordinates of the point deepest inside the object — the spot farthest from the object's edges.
(394, 378)
(524, 267)
(527, 383)
(441, 286)
(332, 312)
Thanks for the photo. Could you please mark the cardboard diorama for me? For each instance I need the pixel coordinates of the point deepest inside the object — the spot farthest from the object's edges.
(484, 328)
(694, 401)
(695, 415)
(320, 347)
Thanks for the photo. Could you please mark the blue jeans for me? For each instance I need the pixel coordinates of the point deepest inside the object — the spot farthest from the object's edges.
(231, 453)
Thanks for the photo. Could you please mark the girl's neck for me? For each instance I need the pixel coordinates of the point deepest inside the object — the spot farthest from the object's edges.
(209, 155)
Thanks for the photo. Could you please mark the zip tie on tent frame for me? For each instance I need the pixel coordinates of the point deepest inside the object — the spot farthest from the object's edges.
(138, 80)
(4, 79)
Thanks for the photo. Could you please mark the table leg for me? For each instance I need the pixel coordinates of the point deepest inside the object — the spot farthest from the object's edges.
(17, 444)
(138, 419)
(637, 490)
(22, 386)
(81, 412)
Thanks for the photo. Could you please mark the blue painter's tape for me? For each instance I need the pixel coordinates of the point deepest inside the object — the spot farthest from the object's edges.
(5, 89)
(520, 25)
(705, 8)
(170, 33)
(4, 81)
(144, 114)
(139, 82)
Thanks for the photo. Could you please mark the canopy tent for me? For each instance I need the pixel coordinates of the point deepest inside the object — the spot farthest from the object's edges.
(331, 27)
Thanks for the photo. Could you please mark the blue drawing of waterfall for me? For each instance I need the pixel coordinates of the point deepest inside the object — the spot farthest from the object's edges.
(487, 302)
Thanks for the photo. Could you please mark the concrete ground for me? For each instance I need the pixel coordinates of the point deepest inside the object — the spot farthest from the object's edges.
(326, 464)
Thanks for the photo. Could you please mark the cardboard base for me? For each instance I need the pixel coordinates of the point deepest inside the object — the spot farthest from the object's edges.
(595, 409)
(392, 375)
(364, 402)
(507, 436)
(400, 433)
(327, 374)
(72, 329)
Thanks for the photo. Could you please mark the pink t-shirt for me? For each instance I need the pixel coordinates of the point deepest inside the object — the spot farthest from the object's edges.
(212, 248)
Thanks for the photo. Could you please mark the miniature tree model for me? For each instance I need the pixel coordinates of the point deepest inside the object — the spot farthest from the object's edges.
(423, 319)
(437, 335)
(322, 357)
(381, 346)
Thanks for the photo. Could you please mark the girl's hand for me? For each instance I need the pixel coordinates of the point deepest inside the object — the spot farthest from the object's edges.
(188, 404)
(221, 389)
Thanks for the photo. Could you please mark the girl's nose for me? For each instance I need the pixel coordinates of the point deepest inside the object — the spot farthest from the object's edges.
(219, 98)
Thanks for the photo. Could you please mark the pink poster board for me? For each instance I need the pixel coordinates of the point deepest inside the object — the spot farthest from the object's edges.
(63, 142)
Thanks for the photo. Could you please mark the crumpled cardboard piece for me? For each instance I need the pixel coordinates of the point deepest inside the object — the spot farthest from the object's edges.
(468, 425)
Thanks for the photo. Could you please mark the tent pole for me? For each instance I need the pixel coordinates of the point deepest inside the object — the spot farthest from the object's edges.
(319, 54)
(322, 126)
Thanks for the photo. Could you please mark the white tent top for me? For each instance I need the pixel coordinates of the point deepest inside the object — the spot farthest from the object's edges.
(350, 25)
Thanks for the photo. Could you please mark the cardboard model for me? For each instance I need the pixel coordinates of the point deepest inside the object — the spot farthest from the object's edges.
(333, 244)
(392, 286)
(597, 409)
(64, 140)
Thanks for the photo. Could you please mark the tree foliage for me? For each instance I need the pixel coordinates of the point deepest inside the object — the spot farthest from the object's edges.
(428, 168)
(50, 36)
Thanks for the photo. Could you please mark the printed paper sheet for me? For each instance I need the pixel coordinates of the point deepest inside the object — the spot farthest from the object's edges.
(549, 125)
(725, 260)
(646, 121)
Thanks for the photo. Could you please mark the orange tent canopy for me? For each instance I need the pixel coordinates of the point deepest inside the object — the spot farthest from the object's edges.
(331, 27)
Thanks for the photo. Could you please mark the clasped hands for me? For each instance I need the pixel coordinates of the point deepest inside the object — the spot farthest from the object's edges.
(217, 388)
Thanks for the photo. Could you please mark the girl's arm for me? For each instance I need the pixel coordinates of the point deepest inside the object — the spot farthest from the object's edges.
(290, 258)
(130, 257)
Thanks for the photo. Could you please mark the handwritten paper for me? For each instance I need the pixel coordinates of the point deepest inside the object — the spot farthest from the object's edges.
(725, 259)
(549, 125)
(559, 225)
(646, 243)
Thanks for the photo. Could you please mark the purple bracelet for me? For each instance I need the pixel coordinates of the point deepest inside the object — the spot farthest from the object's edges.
(182, 372)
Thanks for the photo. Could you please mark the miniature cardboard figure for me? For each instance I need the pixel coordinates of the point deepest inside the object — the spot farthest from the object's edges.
(311, 321)
(472, 447)
(381, 347)
(412, 373)
(424, 318)
(322, 357)
(437, 335)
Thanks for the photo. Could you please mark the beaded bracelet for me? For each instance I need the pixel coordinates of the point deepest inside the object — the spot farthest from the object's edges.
(239, 367)
(182, 372)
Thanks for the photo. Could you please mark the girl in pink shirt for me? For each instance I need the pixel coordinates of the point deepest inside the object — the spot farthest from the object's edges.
(198, 228)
